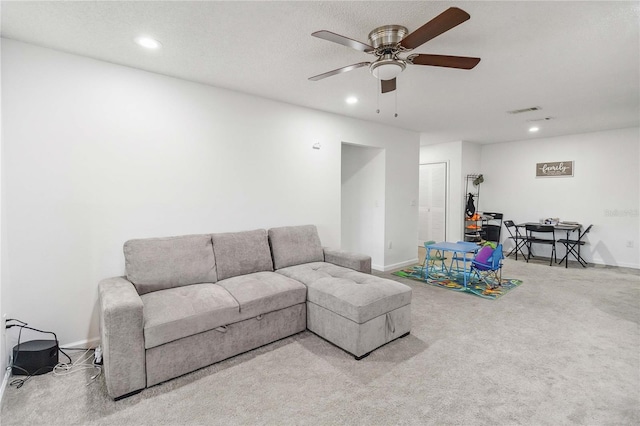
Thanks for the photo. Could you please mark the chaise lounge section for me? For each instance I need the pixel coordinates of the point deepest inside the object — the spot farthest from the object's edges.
(347, 306)
(190, 301)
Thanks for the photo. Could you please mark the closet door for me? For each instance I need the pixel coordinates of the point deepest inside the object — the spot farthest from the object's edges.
(432, 203)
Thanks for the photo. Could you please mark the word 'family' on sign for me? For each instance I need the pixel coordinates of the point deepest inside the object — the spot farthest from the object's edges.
(554, 169)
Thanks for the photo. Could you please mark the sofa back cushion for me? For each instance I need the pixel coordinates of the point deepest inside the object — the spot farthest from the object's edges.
(159, 263)
(295, 245)
(241, 253)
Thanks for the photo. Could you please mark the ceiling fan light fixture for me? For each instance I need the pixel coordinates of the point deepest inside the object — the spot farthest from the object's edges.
(387, 69)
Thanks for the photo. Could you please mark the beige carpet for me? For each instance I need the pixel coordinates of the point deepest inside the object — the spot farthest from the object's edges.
(563, 348)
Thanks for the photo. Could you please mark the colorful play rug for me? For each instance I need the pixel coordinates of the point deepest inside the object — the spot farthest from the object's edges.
(455, 282)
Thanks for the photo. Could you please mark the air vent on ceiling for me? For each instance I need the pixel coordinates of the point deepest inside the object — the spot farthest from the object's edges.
(520, 111)
(540, 119)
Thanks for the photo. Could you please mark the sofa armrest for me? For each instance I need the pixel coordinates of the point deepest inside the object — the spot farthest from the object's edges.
(359, 262)
(122, 334)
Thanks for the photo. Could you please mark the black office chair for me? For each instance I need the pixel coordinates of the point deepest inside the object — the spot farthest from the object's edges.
(534, 237)
(519, 241)
(573, 247)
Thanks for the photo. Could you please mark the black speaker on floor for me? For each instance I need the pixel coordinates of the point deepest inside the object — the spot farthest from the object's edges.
(34, 357)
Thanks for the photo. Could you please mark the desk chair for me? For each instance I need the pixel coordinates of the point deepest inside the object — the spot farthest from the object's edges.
(487, 266)
(534, 237)
(573, 247)
(436, 257)
(519, 241)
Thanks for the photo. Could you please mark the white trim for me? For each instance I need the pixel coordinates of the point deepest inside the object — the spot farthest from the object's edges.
(394, 266)
(87, 343)
(625, 265)
(5, 381)
(619, 265)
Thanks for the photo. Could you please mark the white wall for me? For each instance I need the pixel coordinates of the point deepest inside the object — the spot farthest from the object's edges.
(603, 192)
(3, 300)
(363, 207)
(95, 154)
(401, 187)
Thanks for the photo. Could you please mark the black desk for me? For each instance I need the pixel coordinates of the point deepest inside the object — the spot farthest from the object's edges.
(568, 228)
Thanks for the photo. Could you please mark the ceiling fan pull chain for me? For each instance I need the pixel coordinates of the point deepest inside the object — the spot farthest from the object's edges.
(378, 99)
(395, 92)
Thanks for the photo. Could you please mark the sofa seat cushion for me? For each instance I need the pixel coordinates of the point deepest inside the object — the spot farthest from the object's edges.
(154, 264)
(354, 295)
(179, 312)
(264, 292)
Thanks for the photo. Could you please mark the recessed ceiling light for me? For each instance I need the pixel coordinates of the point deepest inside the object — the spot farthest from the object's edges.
(352, 100)
(533, 129)
(148, 42)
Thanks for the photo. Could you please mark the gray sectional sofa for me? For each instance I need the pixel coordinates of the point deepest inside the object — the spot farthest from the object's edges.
(190, 301)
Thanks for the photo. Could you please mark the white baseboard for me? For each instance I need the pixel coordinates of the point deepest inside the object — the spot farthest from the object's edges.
(597, 261)
(5, 382)
(399, 265)
(87, 343)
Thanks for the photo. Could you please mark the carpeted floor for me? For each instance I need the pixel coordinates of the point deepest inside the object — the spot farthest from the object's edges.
(564, 348)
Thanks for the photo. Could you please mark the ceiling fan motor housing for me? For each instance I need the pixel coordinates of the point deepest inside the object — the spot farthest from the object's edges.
(387, 36)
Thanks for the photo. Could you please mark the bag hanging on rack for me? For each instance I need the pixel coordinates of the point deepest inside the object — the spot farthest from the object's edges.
(471, 208)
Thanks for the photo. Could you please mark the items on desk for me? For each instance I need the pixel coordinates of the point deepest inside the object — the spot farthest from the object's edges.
(550, 221)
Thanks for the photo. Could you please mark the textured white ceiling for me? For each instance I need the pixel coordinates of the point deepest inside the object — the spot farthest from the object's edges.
(579, 61)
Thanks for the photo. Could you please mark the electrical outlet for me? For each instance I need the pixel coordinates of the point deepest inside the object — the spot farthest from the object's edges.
(630, 244)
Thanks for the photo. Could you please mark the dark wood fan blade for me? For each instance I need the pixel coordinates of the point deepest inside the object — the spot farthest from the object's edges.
(339, 71)
(388, 85)
(462, 62)
(444, 22)
(345, 41)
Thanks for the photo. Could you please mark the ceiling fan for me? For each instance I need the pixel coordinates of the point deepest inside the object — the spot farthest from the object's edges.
(389, 41)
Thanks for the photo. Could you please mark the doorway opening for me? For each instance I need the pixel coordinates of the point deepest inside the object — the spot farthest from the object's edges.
(363, 202)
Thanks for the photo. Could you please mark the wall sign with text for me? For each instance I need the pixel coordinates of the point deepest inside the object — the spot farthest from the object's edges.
(555, 169)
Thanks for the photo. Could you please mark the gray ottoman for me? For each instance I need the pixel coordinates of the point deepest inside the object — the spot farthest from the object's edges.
(355, 311)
